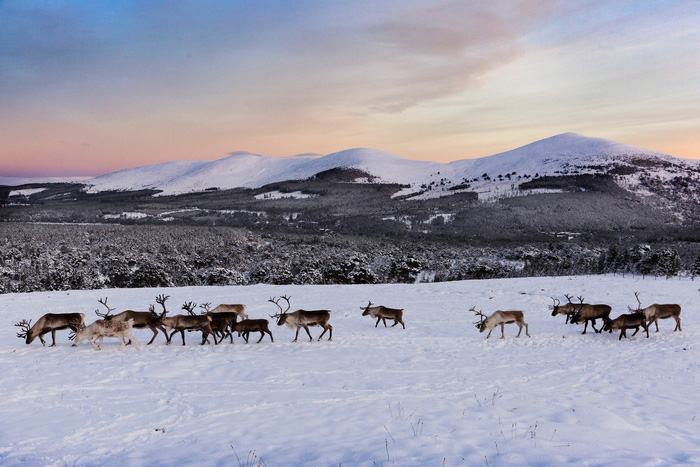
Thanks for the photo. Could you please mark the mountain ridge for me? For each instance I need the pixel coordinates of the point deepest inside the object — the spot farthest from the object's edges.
(561, 153)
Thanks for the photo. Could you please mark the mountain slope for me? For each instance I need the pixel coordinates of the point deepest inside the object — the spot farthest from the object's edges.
(566, 153)
(249, 170)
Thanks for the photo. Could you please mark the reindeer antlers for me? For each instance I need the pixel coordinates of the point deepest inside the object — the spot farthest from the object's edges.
(189, 306)
(639, 302)
(25, 326)
(555, 301)
(108, 315)
(276, 302)
(568, 297)
(478, 314)
(206, 307)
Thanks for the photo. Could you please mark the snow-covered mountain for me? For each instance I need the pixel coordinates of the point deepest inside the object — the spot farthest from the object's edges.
(247, 170)
(567, 153)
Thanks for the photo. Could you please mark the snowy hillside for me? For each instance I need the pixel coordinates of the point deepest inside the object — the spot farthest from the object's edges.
(248, 170)
(566, 153)
(434, 394)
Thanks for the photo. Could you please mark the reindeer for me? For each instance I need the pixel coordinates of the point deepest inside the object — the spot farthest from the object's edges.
(383, 313)
(50, 322)
(238, 308)
(656, 312)
(302, 319)
(569, 309)
(145, 319)
(191, 321)
(245, 327)
(585, 312)
(500, 318)
(97, 331)
(625, 322)
(221, 321)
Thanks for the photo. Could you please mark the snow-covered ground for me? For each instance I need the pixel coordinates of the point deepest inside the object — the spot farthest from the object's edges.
(26, 192)
(434, 394)
(280, 195)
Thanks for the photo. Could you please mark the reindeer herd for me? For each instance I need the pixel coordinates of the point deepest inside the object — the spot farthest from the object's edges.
(636, 318)
(224, 321)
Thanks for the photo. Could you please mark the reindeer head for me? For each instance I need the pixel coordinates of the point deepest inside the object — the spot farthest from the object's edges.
(481, 324)
(366, 309)
(281, 317)
(555, 306)
(25, 333)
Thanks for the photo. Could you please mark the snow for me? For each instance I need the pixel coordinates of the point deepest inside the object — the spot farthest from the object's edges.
(17, 181)
(26, 192)
(434, 394)
(280, 195)
(127, 215)
(567, 152)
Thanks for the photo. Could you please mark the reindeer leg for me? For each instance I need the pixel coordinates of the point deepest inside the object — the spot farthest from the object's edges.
(519, 330)
(489, 334)
(53, 338)
(182, 334)
(597, 331)
(41, 338)
(325, 328)
(384, 321)
(567, 319)
(396, 321)
(245, 336)
(271, 338)
(585, 326)
(527, 333)
(262, 334)
(678, 323)
(502, 335)
(636, 330)
(296, 336)
(622, 333)
(656, 323)
(378, 320)
(403, 325)
(306, 328)
(155, 333)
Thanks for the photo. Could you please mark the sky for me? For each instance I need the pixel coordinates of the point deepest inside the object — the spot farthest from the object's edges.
(90, 87)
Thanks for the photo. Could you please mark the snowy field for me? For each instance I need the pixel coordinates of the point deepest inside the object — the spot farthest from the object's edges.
(435, 394)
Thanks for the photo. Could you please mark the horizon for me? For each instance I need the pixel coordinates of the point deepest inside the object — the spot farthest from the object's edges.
(88, 89)
(288, 156)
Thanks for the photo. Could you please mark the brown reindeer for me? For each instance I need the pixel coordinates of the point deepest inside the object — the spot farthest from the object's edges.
(569, 309)
(657, 311)
(50, 322)
(383, 313)
(245, 327)
(221, 321)
(500, 318)
(190, 321)
(627, 321)
(302, 319)
(97, 331)
(146, 319)
(585, 312)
